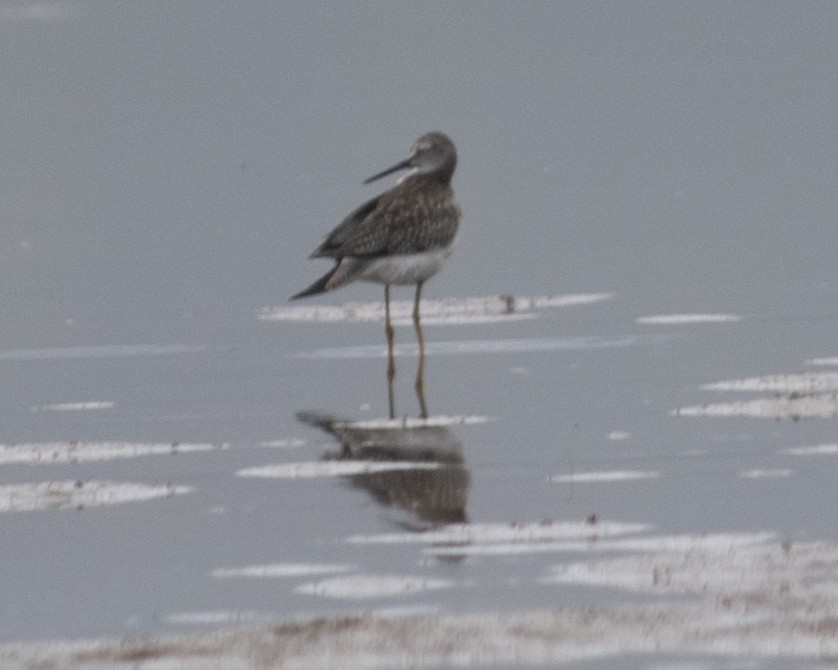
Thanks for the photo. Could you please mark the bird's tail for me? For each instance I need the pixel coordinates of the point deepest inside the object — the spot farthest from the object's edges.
(317, 287)
(347, 270)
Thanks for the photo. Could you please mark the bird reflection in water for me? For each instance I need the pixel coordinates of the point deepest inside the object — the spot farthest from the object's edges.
(419, 384)
(434, 495)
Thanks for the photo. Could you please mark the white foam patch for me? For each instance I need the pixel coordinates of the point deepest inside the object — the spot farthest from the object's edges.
(817, 450)
(757, 473)
(606, 476)
(37, 11)
(698, 665)
(410, 423)
(443, 311)
(398, 611)
(280, 570)
(509, 548)
(308, 470)
(358, 587)
(466, 319)
(806, 382)
(74, 406)
(792, 407)
(485, 533)
(707, 569)
(215, 618)
(43, 453)
(79, 494)
(823, 361)
(108, 351)
(287, 443)
(516, 345)
(618, 435)
(596, 543)
(682, 319)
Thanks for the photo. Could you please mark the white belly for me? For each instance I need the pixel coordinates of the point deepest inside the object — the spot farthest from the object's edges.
(406, 268)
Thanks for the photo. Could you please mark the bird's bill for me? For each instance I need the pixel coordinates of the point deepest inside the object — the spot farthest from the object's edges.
(398, 166)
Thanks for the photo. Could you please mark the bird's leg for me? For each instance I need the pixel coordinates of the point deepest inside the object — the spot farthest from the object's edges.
(420, 340)
(391, 364)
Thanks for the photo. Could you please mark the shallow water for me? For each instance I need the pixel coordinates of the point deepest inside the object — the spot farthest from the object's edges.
(631, 357)
(581, 471)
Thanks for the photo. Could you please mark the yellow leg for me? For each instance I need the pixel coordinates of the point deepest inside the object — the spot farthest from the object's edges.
(420, 340)
(391, 363)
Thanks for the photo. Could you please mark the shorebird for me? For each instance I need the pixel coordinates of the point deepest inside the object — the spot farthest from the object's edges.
(403, 236)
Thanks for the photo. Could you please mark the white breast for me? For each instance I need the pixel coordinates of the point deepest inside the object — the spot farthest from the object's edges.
(406, 268)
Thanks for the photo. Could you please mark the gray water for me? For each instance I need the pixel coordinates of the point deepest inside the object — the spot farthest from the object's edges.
(165, 170)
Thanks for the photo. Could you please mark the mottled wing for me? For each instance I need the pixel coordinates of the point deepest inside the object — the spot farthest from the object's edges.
(410, 219)
(331, 247)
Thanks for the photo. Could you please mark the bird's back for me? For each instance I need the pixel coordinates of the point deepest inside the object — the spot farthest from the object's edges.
(418, 215)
